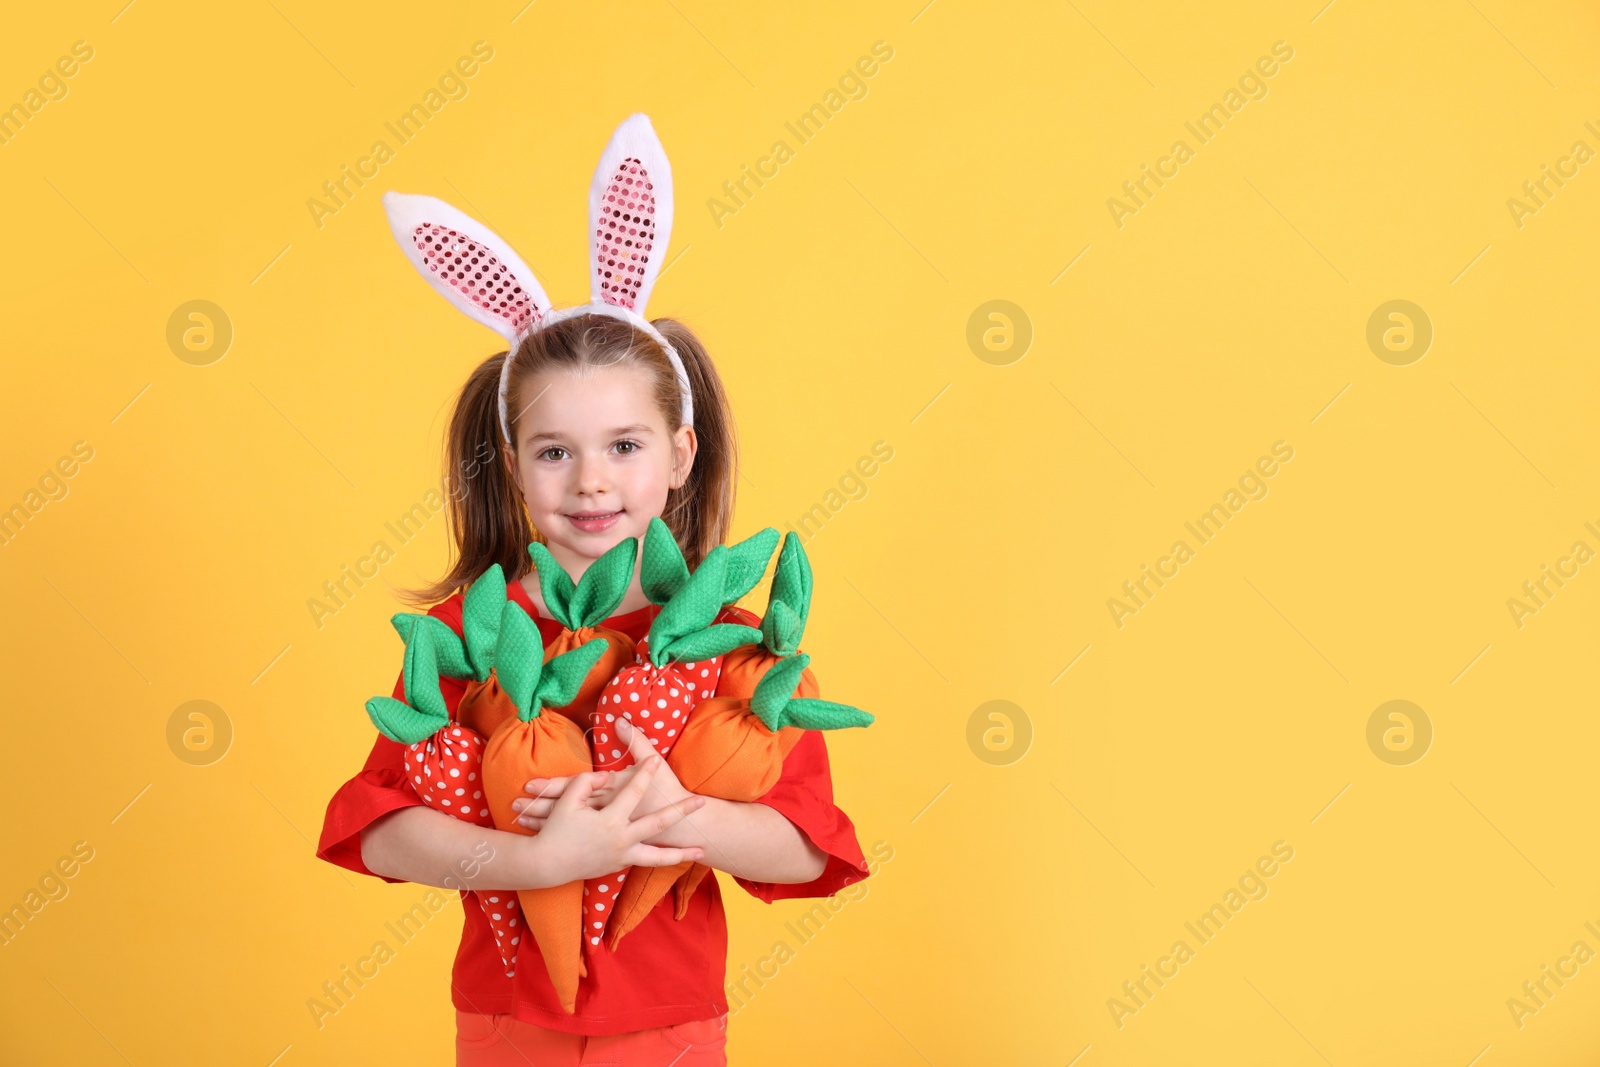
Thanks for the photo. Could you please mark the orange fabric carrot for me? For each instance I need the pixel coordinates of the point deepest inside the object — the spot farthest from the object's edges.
(733, 748)
(580, 609)
(536, 744)
(788, 607)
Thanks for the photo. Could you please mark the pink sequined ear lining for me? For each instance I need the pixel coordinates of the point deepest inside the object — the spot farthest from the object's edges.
(472, 270)
(626, 234)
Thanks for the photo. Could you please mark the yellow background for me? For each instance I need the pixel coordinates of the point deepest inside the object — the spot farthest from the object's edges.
(1229, 313)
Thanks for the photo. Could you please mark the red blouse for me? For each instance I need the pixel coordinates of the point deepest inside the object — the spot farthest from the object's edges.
(666, 971)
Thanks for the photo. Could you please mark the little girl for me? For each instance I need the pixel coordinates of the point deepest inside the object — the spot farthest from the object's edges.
(595, 421)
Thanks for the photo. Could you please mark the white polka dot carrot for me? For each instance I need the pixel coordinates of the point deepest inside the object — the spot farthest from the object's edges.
(676, 666)
(445, 760)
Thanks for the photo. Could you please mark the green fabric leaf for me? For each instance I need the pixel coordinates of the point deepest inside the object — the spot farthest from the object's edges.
(692, 607)
(480, 618)
(747, 562)
(662, 571)
(791, 581)
(809, 713)
(780, 629)
(776, 686)
(400, 722)
(564, 675)
(603, 585)
(518, 658)
(716, 640)
(554, 583)
(404, 622)
(447, 646)
(420, 675)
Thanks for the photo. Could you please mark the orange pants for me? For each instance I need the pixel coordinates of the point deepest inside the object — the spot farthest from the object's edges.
(505, 1041)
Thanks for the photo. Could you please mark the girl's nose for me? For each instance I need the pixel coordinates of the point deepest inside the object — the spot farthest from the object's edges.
(592, 474)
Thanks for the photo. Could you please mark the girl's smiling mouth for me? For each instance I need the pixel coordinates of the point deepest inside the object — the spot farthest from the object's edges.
(594, 521)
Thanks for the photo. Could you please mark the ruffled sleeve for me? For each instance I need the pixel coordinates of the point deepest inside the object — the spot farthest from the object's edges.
(804, 796)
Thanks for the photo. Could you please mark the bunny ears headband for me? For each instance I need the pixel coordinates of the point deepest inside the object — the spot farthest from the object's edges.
(630, 222)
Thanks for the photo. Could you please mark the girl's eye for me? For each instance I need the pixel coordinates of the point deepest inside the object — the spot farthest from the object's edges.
(552, 453)
(628, 447)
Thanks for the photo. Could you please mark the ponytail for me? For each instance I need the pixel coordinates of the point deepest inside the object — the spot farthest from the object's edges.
(483, 510)
(700, 512)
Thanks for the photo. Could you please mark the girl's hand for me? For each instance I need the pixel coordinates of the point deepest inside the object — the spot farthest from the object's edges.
(578, 841)
(664, 789)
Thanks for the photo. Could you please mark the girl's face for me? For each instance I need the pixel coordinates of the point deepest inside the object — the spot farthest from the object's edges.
(595, 459)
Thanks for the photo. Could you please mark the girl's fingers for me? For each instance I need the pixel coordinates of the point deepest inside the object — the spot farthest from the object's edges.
(535, 806)
(530, 822)
(617, 780)
(551, 787)
(651, 856)
(639, 745)
(630, 794)
(579, 788)
(657, 821)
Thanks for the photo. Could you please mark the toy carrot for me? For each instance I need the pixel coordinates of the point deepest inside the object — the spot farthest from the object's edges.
(484, 706)
(788, 607)
(581, 608)
(676, 664)
(733, 748)
(445, 758)
(531, 744)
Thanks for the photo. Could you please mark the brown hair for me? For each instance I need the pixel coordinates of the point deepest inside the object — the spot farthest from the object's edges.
(484, 511)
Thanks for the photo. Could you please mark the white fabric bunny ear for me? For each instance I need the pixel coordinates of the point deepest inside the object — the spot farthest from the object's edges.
(630, 222)
(467, 262)
(630, 216)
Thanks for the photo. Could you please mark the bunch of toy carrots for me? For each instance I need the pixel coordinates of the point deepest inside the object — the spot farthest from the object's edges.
(722, 703)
